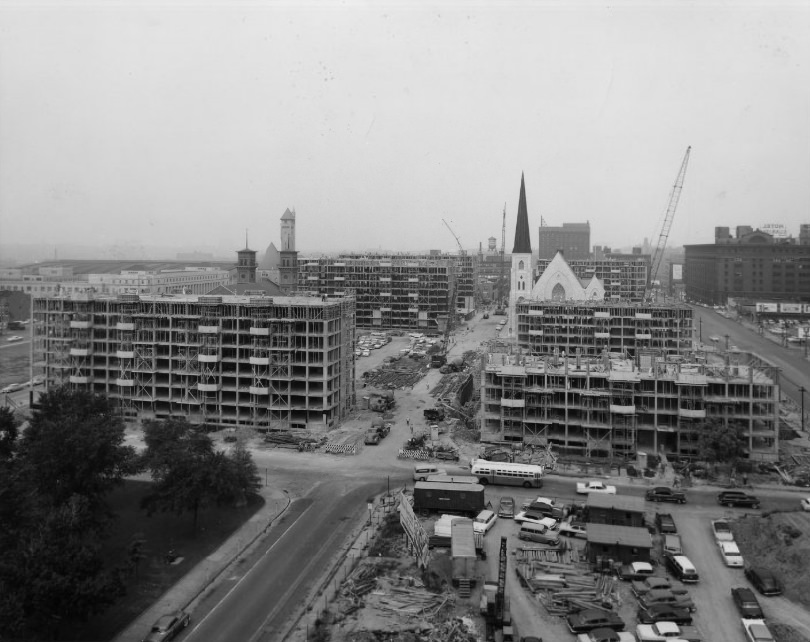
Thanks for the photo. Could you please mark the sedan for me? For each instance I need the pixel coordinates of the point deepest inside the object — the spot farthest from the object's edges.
(665, 494)
(763, 580)
(722, 530)
(14, 337)
(737, 498)
(636, 571)
(805, 503)
(731, 554)
(664, 613)
(168, 626)
(746, 602)
(591, 619)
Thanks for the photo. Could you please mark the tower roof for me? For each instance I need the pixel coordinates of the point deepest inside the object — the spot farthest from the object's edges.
(288, 215)
(523, 244)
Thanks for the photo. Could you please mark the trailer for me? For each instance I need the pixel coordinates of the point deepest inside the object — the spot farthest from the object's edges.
(462, 552)
(444, 497)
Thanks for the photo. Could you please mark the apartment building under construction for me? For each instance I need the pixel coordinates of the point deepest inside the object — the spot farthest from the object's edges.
(231, 361)
(590, 327)
(406, 292)
(624, 275)
(613, 408)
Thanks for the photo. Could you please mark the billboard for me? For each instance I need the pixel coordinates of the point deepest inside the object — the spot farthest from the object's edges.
(677, 271)
(767, 307)
(790, 308)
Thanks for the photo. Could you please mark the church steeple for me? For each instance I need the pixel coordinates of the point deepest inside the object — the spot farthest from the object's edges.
(523, 243)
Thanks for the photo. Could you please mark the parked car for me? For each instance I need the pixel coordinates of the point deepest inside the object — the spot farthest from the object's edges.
(731, 554)
(536, 518)
(506, 507)
(737, 498)
(805, 503)
(664, 523)
(15, 337)
(168, 626)
(665, 596)
(484, 521)
(636, 571)
(757, 631)
(642, 587)
(591, 619)
(722, 530)
(664, 613)
(659, 631)
(570, 528)
(763, 580)
(606, 634)
(746, 602)
(665, 494)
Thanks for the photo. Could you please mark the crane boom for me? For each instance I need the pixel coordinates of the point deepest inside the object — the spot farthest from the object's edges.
(460, 248)
(502, 278)
(658, 254)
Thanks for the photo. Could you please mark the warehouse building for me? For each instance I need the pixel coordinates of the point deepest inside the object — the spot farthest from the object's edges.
(750, 265)
(227, 361)
(612, 407)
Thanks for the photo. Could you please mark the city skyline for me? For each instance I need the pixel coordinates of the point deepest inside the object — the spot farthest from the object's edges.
(192, 122)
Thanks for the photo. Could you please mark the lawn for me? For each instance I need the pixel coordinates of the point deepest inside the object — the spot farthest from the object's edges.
(161, 533)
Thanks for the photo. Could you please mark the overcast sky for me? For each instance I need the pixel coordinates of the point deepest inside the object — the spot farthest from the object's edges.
(183, 123)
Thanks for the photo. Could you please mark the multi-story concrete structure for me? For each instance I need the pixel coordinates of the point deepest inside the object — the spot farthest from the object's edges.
(572, 239)
(589, 328)
(624, 276)
(406, 291)
(614, 408)
(751, 265)
(221, 360)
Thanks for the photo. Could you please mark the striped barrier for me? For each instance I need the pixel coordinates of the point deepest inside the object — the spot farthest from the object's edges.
(340, 449)
(421, 454)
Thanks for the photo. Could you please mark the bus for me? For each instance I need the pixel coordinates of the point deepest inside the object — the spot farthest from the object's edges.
(506, 474)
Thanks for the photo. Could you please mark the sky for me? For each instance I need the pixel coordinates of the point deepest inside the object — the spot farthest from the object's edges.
(186, 123)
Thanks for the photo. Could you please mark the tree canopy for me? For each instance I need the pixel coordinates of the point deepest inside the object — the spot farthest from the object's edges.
(54, 479)
(190, 474)
(722, 442)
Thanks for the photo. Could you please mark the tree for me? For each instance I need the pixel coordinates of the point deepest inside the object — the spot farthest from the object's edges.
(246, 474)
(9, 431)
(189, 474)
(53, 485)
(722, 442)
(75, 446)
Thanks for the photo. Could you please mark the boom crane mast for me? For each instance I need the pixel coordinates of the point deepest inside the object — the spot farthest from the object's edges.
(658, 254)
(460, 248)
(502, 278)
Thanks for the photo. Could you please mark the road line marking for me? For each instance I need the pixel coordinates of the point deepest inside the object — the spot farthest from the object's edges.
(250, 570)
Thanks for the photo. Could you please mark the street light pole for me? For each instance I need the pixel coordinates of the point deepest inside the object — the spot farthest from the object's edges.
(726, 343)
(700, 320)
(801, 392)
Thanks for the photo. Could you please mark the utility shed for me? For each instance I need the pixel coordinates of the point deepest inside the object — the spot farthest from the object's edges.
(462, 551)
(623, 544)
(618, 510)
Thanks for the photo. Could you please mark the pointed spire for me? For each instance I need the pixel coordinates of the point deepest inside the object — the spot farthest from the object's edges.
(523, 244)
(246, 238)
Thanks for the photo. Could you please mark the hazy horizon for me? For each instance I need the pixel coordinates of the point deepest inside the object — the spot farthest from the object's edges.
(184, 124)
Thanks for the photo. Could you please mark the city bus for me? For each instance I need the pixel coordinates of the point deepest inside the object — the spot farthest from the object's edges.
(506, 474)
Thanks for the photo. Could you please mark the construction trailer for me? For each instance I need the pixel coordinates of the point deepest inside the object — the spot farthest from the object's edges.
(462, 553)
(450, 498)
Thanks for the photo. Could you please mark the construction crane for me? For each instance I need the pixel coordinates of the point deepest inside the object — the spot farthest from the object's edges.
(658, 254)
(461, 250)
(499, 617)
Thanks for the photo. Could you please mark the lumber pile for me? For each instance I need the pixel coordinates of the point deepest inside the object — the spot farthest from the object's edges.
(287, 439)
(561, 553)
(361, 580)
(410, 601)
(565, 589)
(454, 630)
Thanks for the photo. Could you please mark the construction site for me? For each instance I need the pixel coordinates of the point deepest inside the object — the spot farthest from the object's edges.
(223, 361)
(400, 291)
(612, 406)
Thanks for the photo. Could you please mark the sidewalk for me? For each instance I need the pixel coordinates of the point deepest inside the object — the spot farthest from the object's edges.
(187, 591)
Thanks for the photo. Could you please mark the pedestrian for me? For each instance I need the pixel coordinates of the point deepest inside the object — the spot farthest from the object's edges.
(745, 480)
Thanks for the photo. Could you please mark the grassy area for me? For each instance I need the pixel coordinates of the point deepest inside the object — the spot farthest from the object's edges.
(161, 533)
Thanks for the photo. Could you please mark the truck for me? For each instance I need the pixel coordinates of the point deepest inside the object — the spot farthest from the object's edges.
(381, 401)
(433, 414)
(584, 488)
(443, 497)
(661, 631)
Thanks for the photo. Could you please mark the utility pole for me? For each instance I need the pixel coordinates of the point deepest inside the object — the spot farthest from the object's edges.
(700, 321)
(726, 343)
(801, 392)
